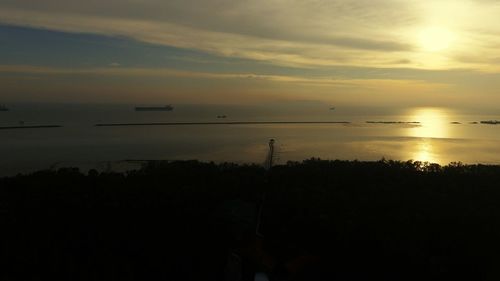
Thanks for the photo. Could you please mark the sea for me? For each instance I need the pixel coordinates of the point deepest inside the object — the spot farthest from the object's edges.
(428, 134)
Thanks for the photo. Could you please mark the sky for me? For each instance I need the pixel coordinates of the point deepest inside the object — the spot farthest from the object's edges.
(364, 52)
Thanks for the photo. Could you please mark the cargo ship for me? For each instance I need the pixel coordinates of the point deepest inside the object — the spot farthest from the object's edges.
(154, 108)
(3, 108)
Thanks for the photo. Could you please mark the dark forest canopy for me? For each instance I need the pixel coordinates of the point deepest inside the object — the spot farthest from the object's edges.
(321, 220)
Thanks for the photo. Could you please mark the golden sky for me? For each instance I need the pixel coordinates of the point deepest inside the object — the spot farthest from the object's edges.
(365, 51)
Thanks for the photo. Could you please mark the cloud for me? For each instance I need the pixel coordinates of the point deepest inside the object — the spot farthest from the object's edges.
(289, 33)
(139, 84)
(166, 72)
(306, 33)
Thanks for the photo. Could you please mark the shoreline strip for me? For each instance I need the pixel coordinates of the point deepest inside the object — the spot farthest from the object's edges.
(30, 127)
(219, 123)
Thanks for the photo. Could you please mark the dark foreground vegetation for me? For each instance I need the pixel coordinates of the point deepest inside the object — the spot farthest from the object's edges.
(320, 220)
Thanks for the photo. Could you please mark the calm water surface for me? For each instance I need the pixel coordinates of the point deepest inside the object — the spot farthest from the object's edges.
(78, 143)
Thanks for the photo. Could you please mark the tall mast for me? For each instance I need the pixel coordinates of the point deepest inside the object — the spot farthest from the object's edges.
(270, 155)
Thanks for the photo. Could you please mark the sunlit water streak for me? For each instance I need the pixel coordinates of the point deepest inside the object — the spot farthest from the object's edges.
(78, 143)
(434, 123)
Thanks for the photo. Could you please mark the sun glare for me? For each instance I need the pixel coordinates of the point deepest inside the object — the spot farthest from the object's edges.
(434, 39)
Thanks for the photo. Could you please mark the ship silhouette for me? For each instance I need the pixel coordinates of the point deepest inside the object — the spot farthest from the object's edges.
(154, 108)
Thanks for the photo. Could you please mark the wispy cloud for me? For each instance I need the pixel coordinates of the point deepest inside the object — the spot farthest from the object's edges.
(375, 85)
(324, 49)
(56, 83)
(294, 33)
(166, 72)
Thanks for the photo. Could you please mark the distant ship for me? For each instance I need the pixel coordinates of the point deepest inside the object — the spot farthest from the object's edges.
(332, 108)
(221, 116)
(154, 108)
(491, 122)
(3, 108)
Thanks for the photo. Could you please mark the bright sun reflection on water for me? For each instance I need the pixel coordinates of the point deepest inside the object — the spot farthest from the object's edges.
(424, 152)
(434, 123)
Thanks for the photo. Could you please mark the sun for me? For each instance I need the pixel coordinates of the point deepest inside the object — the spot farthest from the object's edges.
(434, 39)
